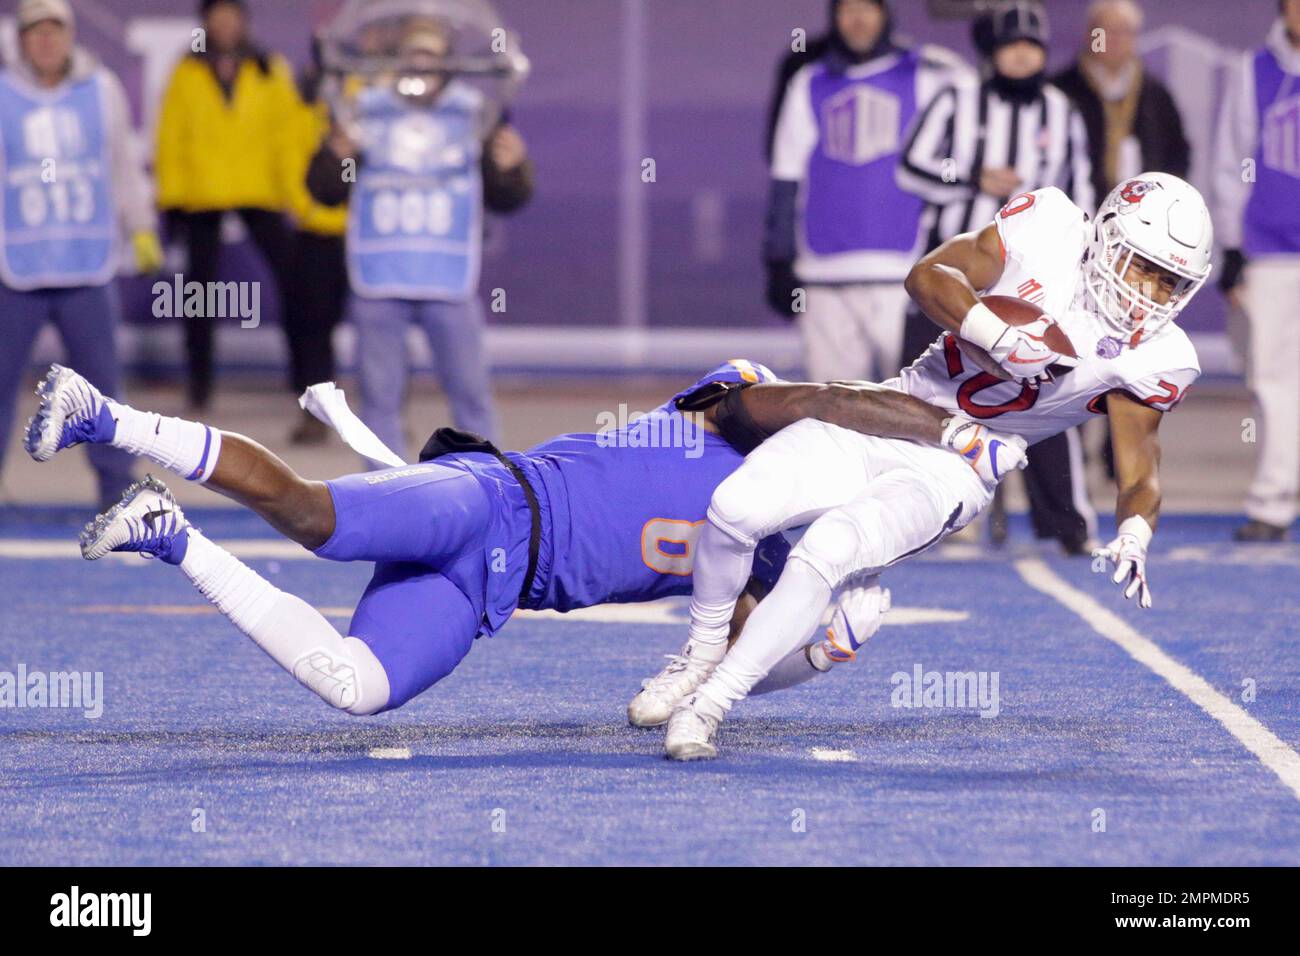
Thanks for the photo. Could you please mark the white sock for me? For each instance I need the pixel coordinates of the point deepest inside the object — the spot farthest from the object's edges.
(801, 664)
(188, 449)
(722, 569)
(344, 672)
(782, 622)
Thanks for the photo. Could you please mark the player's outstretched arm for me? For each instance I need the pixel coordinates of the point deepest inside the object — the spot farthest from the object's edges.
(745, 417)
(1136, 444)
(858, 406)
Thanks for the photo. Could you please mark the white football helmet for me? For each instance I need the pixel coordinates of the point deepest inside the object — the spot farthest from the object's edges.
(1163, 220)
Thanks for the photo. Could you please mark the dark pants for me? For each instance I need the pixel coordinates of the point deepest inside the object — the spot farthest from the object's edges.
(272, 237)
(316, 293)
(86, 318)
(1050, 477)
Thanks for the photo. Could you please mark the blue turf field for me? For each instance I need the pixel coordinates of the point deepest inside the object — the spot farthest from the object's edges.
(530, 730)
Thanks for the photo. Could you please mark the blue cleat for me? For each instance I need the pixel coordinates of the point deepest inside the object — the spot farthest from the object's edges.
(72, 411)
(147, 521)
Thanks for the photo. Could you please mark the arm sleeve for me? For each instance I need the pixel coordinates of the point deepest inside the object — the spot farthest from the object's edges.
(779, 243)
(921, 165)
(1162, 391)
(1235, 138)
(130, 185)
(288, 106)
(173, 130)
(796, 130)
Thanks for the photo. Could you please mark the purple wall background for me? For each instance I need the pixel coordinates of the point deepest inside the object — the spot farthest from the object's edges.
(710, 69)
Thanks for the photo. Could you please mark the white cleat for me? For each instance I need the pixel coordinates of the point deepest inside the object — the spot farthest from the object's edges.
(72, 411)
(692, 730)
(683, 675)
(147, 521)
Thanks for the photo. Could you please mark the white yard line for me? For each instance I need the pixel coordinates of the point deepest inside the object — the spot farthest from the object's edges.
(1254, 736)
(834, 756)
(390, 753)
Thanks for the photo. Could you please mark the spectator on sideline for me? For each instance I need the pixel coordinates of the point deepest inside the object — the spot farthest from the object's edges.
(423, 143)
(975, 146)
(224, 146)
(1132, 122)
(838, 228)
(1258, 223)
(70, 183)
(317, 290)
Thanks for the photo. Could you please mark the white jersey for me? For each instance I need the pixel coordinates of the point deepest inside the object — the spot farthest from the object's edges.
(1043, 237)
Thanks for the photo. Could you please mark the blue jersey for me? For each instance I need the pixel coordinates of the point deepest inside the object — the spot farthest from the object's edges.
(626, 505)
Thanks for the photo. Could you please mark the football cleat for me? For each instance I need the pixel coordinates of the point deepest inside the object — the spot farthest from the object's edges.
(147, 521)
(72, 411)
(692, 729)
(685, 672)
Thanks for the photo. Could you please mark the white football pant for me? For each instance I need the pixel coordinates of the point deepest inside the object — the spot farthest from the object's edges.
(1271, 298)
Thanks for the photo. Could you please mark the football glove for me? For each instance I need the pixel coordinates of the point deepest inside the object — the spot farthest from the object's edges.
(1019, 350)
(1129, 554)
(992, 455)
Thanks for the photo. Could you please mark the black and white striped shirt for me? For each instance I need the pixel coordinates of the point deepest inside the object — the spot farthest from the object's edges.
(969, 127)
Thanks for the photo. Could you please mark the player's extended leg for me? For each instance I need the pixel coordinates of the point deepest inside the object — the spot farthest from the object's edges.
(794, 476)
(901, 513)
(73, 411)
(343, 671)
(418, 623)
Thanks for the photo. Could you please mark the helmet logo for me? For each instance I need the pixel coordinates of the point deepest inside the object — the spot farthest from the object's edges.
(1134, 190)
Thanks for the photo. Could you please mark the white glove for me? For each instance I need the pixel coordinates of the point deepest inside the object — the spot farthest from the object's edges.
(1019, 350)
(991, 454)
(1129, 553)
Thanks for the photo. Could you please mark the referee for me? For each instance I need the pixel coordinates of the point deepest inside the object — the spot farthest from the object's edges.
(975, 146)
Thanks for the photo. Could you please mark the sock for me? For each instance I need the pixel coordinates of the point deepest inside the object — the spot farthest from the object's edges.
(721, 570)
(782, 622)
(188, 449)
(801, 664)
(344, 672)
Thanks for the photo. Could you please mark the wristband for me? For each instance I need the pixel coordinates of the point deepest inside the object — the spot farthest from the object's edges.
(1137, 526)
(982, 327)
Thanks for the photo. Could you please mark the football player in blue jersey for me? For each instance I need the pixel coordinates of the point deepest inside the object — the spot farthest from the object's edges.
(462, 539)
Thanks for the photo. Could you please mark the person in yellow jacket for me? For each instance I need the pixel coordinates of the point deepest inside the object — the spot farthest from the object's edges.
(224, 146)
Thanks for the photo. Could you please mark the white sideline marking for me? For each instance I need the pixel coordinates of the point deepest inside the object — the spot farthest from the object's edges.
(390, 753)
(1254, 736)
(834, 756)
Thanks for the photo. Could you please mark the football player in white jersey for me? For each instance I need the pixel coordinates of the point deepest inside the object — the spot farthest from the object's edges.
(1114, 285)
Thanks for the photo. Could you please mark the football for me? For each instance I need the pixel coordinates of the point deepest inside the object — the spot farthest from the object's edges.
(1017, 312)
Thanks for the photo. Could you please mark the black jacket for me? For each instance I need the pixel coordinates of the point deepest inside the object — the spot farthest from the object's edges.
(1157, 126)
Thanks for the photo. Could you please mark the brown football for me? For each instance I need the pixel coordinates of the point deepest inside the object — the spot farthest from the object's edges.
(1015, 312)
